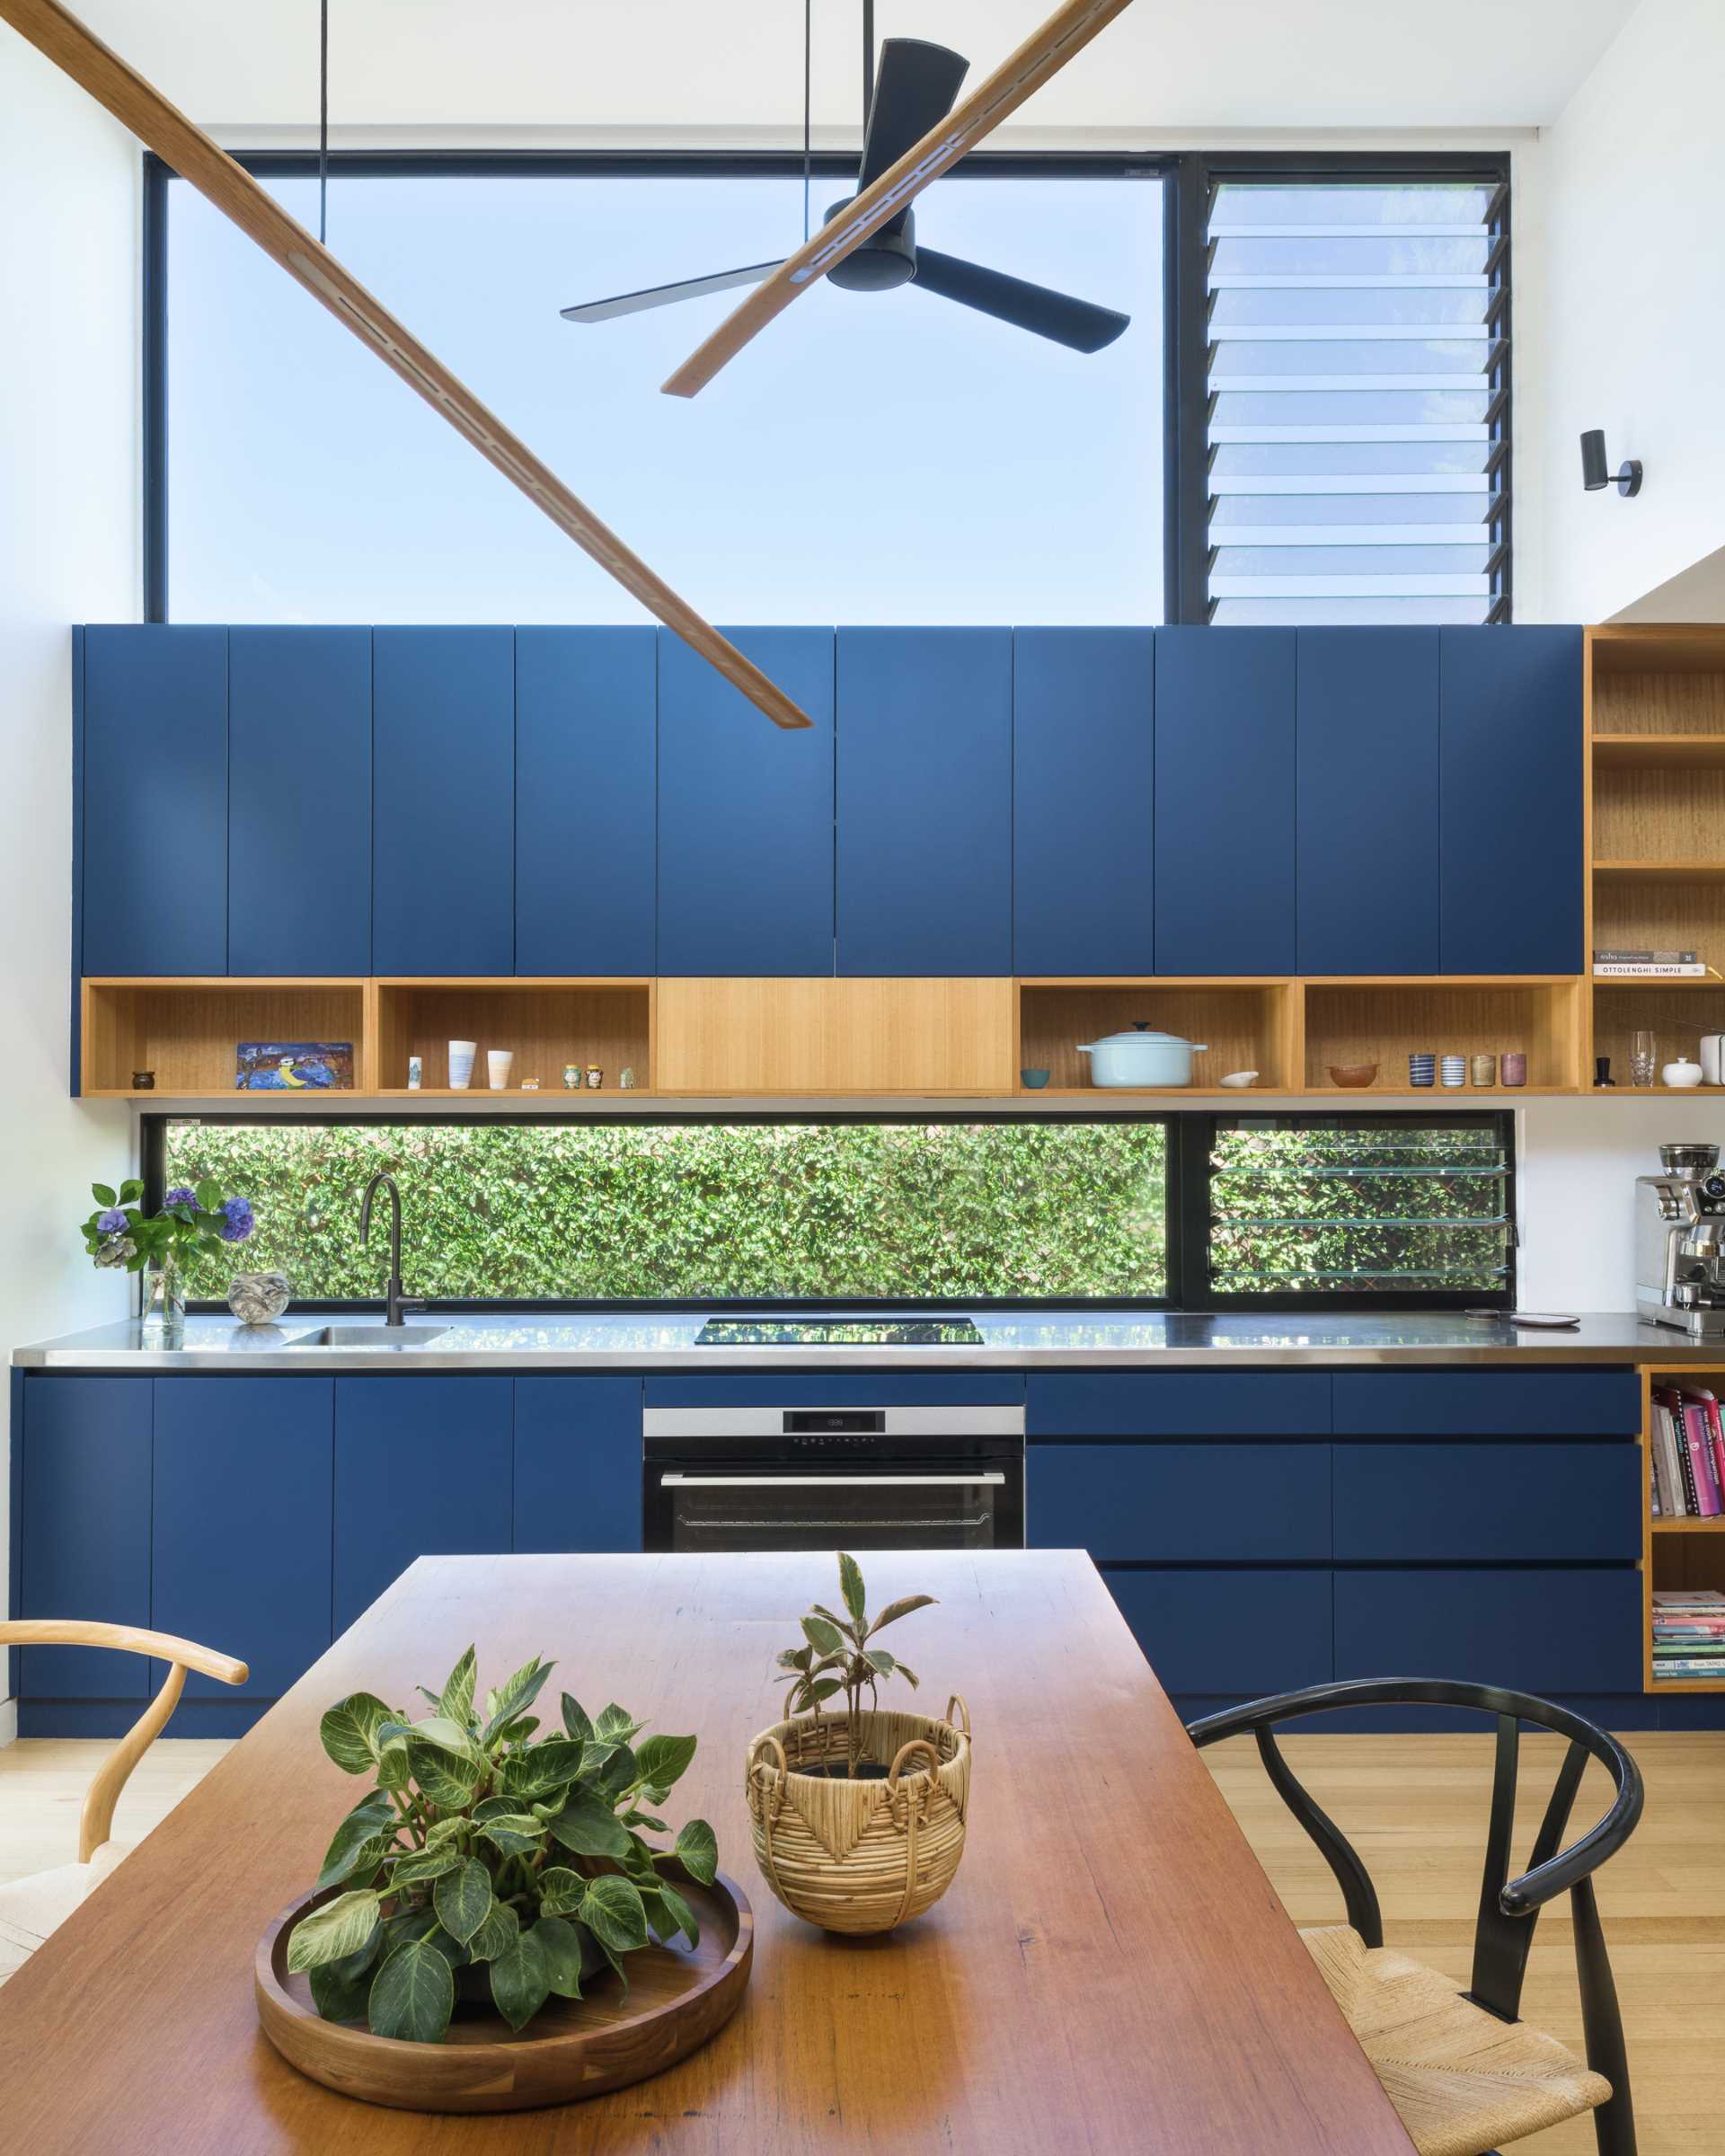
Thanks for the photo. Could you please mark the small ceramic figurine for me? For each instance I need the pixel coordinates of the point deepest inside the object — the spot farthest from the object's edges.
(143, 1081)
(529, 1085)
(626, 1077)
(595, 1076)
(571, 1077)
(258, 1298)
(415, 1073)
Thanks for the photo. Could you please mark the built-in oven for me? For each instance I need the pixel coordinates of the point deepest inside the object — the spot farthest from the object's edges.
(826, 1477)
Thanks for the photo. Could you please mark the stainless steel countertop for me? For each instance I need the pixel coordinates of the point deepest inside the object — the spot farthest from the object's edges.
(1025, 1340)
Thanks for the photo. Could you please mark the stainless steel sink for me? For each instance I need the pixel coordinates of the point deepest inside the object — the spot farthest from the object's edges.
(369, 1336)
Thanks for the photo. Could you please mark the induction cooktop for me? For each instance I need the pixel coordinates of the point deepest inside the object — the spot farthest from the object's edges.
(839, 1332)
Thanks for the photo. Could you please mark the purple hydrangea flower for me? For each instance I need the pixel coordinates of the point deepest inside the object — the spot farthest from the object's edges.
(237, 1219)
(114, 1221)
(182, 1194)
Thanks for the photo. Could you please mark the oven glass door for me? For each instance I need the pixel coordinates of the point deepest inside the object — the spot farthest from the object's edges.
(924, 1505)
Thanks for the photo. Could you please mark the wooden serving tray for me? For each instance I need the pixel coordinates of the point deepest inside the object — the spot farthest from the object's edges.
(571, 2049)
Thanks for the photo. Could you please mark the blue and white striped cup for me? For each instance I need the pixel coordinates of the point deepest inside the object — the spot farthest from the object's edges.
(1422, 1069)
(1453, 1071)
(461, 1065)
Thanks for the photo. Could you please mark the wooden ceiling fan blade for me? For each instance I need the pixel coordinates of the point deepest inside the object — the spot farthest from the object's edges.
(914, 88)
(78, 53)
(1044, 53)
(1080, 325)
(666, 296)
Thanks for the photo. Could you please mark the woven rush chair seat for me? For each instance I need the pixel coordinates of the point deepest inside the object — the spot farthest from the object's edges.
(1462, 2080)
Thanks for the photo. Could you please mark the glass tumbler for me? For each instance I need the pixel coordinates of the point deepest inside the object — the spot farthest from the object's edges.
(1643, 1058)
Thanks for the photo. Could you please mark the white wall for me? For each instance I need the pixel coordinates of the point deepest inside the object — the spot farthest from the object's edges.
(68, 519)
(1634, 187)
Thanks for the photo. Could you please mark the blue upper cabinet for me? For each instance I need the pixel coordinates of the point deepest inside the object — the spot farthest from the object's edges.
(155, 800)
(746, 812)
(1512, 880)
(1367, 801)
(443, 821)
(299, 801)
(1084, 772)
(1225, 723)
(584, 779)
(925, 881)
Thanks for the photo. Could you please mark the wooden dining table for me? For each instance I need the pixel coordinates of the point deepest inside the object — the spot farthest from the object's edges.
(1111, 1972)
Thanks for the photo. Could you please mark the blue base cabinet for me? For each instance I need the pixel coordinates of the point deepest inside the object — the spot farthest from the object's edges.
(576, 1464)
(424, 1466)
(1240, 1632)
(239, 1525)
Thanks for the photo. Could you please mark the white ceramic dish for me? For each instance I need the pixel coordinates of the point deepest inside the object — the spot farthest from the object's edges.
(1241, 1078)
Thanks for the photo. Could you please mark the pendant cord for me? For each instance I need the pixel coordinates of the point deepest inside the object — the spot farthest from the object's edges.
(868, 62)
(808, 76)
(322, 122)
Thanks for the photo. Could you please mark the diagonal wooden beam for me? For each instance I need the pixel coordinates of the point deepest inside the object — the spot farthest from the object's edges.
(137, 105)
(1065, 33)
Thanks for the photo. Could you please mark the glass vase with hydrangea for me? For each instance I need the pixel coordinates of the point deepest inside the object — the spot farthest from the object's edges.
(121, 1236)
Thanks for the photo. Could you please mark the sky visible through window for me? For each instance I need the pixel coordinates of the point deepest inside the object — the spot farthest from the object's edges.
(878, 457)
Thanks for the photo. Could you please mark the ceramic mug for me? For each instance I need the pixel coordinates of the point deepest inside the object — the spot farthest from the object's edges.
(461, 1065)
(1483, 1070)
(498, 1064)
(1453, 1070)
(1422, 1069)
(1514, 1067)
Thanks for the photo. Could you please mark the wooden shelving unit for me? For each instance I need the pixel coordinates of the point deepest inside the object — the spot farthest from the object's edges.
(1246, 1025)
(186, 1030)
(1386, 1021)
(1655, 701)
(544, 1023)
(1675, 1553)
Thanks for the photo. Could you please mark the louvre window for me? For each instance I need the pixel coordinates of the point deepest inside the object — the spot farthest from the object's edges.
(1416, 1211)
(1357, 388)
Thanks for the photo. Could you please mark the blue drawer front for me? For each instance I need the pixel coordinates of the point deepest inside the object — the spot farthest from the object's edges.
(1239, 1633)
(576, 1464)
(1488, 1502)
(83, 1534)
(1533, 1632)
(1180, 1503)
(838, 1388)
(1179, 1404)
(1487, 1403)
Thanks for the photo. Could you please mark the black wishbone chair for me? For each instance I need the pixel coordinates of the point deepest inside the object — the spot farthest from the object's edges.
(1462, 2070)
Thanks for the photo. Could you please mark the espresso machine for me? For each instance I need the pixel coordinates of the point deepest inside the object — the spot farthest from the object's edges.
(1680, 1242)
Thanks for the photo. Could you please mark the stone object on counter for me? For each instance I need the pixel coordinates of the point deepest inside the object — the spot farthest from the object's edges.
(258, 1298)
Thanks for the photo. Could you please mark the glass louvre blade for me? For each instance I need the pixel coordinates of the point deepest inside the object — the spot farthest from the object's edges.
(1357, 377)
(1353, 1209)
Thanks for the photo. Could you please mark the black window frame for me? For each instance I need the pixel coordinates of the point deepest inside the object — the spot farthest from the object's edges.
(1187, 178)
(1189, 1139)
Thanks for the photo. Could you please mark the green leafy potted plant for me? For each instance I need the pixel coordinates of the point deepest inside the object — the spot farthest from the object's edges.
(490, 1863)
(119, 1235)
(858, 1814)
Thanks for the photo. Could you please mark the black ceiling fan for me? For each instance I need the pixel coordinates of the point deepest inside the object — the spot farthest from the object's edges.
(912, 91)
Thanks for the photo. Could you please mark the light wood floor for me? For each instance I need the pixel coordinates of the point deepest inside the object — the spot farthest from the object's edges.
(1414, 1807)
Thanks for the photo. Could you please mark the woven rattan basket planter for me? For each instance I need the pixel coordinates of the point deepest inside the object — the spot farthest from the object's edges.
(861, 1855)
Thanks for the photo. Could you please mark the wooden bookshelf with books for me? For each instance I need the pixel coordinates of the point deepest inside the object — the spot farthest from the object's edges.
(1683, 1529)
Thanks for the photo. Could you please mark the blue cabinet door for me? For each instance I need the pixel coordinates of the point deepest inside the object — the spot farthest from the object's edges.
(154, 805)
(422, 1469)
(578, 1463)
(1487, 1403)
(443, 822)
(1225, 801)
(1227, 1631)
(239, 1525)
(924, 796)
(1083, 793)
(298, 801)
(84, 1536)
(584, 767)
(745, 812)
(1513, 875)
(1366, 797)
(1180, 1504)
(1179, 1403)
(1493, 1503)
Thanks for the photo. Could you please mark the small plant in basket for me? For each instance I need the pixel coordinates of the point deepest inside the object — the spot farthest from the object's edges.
(485, 1864)
(837, 1656)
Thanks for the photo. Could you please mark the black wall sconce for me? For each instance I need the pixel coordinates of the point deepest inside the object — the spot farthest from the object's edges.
(1594, 474)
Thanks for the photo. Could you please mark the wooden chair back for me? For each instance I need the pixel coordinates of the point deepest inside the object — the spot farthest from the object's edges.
(97, 1823)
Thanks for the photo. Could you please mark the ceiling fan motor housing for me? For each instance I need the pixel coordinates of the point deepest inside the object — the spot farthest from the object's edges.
(885, 259)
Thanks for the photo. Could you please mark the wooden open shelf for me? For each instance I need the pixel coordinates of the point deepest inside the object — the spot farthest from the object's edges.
(1675, 1553)
(545, 1023)
(1246, 1025)
(1385, 1022)
(187, 1031)
(1656, 822)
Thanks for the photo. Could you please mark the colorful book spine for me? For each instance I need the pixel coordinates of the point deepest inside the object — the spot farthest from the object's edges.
(1701, 1472)
(1674, 1481)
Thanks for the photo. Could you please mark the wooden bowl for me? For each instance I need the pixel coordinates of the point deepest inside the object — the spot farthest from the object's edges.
(571, 2049)
(1353, 1074)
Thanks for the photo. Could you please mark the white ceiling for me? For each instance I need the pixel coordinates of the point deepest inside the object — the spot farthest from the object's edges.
(643, 66)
